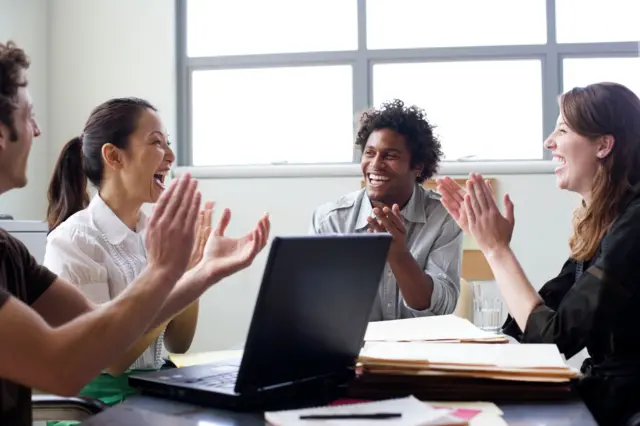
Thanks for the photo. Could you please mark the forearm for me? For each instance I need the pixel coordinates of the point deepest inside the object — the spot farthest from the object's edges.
(86, 345)
(518, 293)
(416, 286)
(181, 329)
(123, 363)
(188, 289)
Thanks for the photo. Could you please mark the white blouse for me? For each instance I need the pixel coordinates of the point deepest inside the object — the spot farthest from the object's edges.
(97, 252)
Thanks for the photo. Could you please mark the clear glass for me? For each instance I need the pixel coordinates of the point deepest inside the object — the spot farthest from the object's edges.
(584, 71)
(597, 21)
(489, 311)
(245, 27)
(393, 24)
(272, 115)
(489, 110)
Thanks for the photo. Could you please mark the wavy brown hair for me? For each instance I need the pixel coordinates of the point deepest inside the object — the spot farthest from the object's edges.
(594, 111)
(13, 63)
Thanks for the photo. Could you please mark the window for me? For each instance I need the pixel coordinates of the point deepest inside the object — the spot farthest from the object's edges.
(283, 81)
(272, 115)
(488, 110)
(584, 71)
(393, 24)
(241, 27)
(597, 21)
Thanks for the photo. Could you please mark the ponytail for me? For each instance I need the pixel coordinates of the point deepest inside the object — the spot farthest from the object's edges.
(68, 187)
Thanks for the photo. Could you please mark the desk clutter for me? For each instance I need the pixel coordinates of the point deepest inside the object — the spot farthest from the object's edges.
(448, 357)
(407, 411)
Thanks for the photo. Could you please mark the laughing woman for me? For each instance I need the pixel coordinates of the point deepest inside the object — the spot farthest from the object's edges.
(98, 244)
(595, 300)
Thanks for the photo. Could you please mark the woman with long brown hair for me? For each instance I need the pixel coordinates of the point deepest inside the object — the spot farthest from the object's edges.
(595, 300)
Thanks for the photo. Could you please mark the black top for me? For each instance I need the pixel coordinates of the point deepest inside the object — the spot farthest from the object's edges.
(20, 277)
(596, 305)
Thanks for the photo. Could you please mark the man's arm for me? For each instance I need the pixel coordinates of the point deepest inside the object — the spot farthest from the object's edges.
(62, 360)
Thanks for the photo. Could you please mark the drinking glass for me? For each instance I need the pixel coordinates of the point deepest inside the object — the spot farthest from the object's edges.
(488, 307)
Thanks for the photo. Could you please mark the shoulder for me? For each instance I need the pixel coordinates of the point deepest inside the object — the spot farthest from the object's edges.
(75, 235)
(77, 227)
(344, 204)
(10, 246)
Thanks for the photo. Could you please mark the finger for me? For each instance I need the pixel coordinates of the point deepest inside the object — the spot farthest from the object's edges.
(386, 221)
(471, 217)
(478, 191)
(161, 205)
(397, 218)
(193, 210)
(374, 225)
(223, 223)
(509, 209)
(473, 199)
(183, 210)
(208, 213)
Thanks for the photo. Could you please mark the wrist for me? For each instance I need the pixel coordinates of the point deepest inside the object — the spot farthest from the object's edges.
(498, 252)
(398, 254)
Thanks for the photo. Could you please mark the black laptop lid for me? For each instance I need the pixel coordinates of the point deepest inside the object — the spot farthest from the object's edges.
(313, 307)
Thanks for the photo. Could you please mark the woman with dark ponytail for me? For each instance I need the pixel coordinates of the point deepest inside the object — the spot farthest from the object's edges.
(68, 186)
(98, 243)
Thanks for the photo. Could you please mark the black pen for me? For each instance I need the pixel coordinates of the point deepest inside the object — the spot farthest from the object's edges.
(372, 416)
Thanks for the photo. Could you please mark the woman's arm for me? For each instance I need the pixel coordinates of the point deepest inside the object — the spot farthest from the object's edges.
(181, 330)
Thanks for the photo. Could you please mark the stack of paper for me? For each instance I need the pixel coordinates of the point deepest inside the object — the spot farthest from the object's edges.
(462, 371)
(443, 328)
(407, 411)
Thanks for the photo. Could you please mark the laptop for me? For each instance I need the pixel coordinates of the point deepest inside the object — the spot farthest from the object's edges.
(308, 327)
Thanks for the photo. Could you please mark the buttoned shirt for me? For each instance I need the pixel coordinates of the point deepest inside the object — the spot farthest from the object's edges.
(97, 252)
(432, 237)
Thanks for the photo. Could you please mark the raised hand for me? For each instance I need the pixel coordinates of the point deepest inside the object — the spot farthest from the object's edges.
(171, 232)
(490, 229)
(203, 230)
(224, 256)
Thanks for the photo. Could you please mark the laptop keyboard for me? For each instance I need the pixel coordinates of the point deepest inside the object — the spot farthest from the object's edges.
(220, 380)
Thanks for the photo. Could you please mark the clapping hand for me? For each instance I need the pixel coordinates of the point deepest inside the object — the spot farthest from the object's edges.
(389, 220)
(203, 230)
(223, 256)
(170, 232)
(453, 201)
(486, 224)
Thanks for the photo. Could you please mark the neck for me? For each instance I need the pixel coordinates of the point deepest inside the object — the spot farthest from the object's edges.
(124, 207)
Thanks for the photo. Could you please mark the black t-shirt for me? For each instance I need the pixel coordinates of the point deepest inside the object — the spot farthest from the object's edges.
(20, 277)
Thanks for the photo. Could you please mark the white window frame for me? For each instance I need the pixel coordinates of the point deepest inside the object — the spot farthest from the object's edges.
(362, 60)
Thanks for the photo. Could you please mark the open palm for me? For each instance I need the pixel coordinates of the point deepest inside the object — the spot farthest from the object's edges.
(224, 256)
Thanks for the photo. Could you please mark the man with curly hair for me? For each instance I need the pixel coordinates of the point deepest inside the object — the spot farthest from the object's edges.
(399, 152)
(52, 337)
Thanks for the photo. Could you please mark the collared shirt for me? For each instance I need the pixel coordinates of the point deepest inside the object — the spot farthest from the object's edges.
(433, 238)
(97, 252)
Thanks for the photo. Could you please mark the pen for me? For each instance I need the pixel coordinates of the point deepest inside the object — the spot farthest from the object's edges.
(372, 416)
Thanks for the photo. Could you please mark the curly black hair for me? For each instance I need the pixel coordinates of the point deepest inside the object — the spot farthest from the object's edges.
(13, 61)
(411, 122)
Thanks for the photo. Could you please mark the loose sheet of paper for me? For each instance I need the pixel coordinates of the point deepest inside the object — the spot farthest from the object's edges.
(200, 358)
(414, 413)
(433, 328)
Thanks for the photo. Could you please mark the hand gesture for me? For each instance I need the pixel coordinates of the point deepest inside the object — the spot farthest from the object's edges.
(453, 201)
(487, 225)
(224, 256)
(389, 220)
(203, 230)
(170, 232)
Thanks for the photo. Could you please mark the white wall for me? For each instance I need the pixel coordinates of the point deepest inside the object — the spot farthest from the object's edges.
(26, 22)
(107, 48)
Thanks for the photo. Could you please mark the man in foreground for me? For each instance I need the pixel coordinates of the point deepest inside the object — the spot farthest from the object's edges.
(52, 337)
(399, 152)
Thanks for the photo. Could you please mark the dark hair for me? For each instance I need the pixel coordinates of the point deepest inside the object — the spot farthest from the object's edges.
(13, 63)
(593, 111)
(410, 122)
(81, 158)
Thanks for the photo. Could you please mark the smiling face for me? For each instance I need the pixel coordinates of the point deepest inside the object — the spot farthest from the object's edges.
(15, 144)
(143, 166)
(386, 168)
(578, 157)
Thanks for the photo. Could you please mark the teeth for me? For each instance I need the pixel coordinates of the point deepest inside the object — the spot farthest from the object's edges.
(559, 159)
(378, 178)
